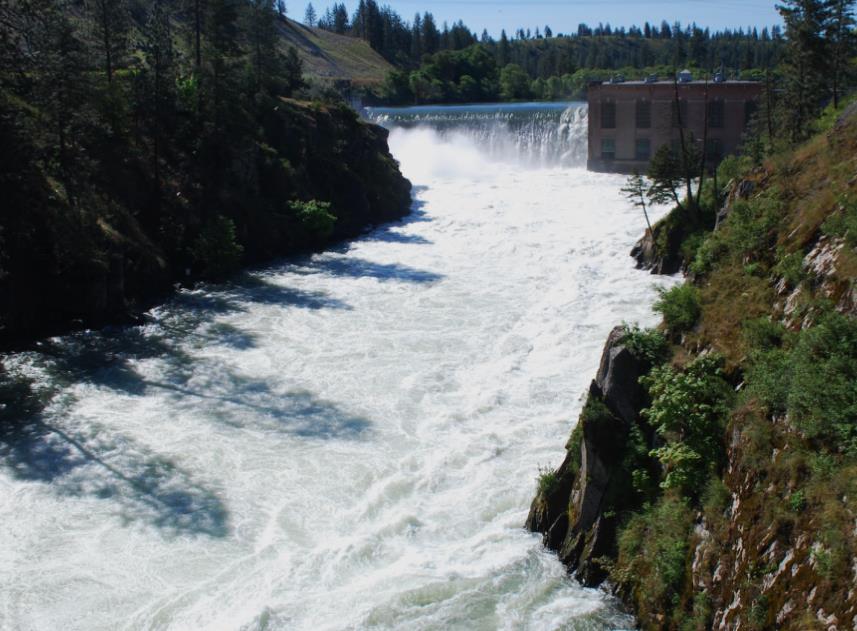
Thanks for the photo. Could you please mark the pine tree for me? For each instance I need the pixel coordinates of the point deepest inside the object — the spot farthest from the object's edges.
(431, 36)
(310, 15)
(112, 23)
(841, 40)
(340, 19)
(281, 8)
(262, 38)
(807, 63)
(156, 96)
(503, 51)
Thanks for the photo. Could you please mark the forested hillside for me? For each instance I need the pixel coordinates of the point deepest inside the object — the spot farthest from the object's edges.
(151, 142)
(450, 63)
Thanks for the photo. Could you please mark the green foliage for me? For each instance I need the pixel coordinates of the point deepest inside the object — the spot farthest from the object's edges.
(595, 412)
(514, 83)
(315, 217)
(216, 250)
(679, 306)
(764, 333)
(814, 380)
(790, 267)
(797, 501)
(732, 168)
(843, 223)
(666, 176)
(547, 481)
(652, 559)
(574, 442)
(688, 410)
(648, 345)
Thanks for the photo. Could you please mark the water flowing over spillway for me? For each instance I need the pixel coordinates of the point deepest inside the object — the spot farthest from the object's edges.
(345, 441)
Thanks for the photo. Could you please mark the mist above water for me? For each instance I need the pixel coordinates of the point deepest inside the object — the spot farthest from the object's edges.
(344, 441)
(528, 135)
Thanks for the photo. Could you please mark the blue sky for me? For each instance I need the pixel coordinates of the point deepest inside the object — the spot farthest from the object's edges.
(563, 16)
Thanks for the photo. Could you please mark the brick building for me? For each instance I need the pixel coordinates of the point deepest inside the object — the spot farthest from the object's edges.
(629, 121)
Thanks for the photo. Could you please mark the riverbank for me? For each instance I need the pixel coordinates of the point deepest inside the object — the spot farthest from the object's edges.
(71, 264)
(711, 474)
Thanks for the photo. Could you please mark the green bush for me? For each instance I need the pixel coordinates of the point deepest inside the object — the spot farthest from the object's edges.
(651, 563)
(648, 345)
(547, 481)
(216, 250)
(688, 410)
(708, 253)
(679, 306)
(315, 217)
(843, 223)
(814, 379)
(750, 226)
(790, 267)
(763, 333)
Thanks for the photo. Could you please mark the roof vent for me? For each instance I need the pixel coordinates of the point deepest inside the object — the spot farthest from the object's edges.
(685, 76)
(719, 77)
(618, 78)
(652, 78)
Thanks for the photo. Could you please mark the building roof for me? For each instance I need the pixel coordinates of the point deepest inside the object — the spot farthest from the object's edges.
(669, 82)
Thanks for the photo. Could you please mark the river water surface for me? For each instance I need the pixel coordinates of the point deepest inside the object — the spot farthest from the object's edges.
(345, 441)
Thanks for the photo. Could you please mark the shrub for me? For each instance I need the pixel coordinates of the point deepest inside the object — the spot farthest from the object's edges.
(216, 250)
(708, 252)
(651, 563)
(750, 225)
(688, 410)
(790, 267)
(648, 345)
(762, 333)
(797, 501)
(815, 381)
(679, 306)
(843, 223)
(315, 217)
(547, 481)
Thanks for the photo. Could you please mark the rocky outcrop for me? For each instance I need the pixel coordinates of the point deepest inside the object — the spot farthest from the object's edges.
(575, 514)
(656, 259)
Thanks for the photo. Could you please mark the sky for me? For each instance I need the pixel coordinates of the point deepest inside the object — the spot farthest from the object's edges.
(563, 16)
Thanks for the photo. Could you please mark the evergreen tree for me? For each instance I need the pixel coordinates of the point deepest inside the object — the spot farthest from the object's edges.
(430, 35)
(807, 63)
(503, 50)
(841, 40)
(281, 8)
(340, 19)
(156, 97)
(310, 15)
(262, 38)
(112, 24)
(417, 38)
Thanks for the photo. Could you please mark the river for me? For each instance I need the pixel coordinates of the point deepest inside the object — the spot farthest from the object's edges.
(344, 441)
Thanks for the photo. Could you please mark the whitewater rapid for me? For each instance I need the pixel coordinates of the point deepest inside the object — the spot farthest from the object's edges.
(345, 441)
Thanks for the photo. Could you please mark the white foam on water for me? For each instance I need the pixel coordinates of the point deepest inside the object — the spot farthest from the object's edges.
(347, 441)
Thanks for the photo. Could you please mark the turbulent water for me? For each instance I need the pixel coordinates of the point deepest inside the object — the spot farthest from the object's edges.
(346, 441)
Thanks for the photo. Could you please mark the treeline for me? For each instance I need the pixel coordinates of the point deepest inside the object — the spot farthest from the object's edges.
(450, 63)
(148, 141)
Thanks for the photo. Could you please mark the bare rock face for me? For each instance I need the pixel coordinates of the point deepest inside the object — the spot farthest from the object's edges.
(648, 257)
(573, 515)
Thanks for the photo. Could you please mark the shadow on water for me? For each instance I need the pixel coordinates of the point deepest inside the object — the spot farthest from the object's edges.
(143, 486)
(40, 439)
(354, 267)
